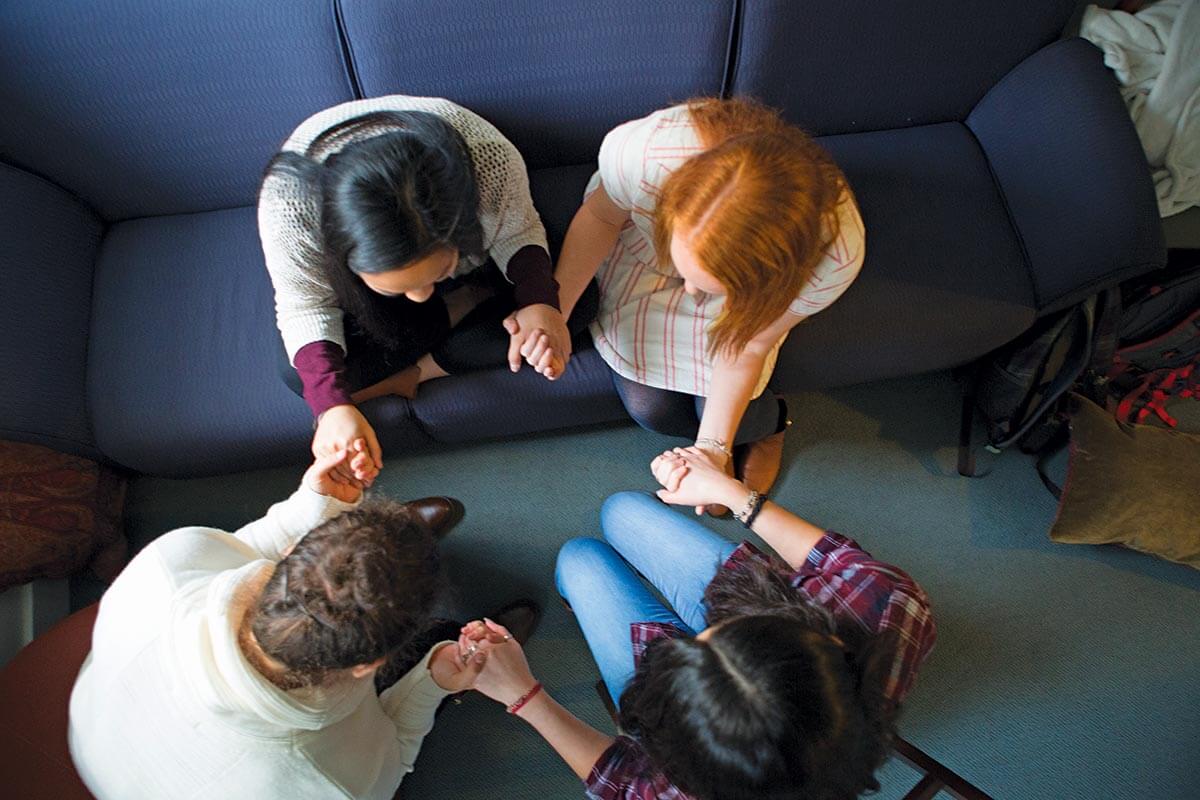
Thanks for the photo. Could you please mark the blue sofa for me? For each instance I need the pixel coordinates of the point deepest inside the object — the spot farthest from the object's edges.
(996, 168)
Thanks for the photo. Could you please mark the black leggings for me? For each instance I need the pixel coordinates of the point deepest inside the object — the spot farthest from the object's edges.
(478, 342)
(678, 414)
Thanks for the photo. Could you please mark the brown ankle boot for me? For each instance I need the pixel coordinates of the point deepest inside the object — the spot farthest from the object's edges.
(759, 462)
(441, 514)
(521, 617)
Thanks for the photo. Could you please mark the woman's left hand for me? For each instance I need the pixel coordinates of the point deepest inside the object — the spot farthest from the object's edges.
(321, 477)
(450, 672)
(538, 334)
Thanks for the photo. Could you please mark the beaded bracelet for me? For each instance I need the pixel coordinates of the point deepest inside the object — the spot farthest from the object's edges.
(754, 505)
(520, 702)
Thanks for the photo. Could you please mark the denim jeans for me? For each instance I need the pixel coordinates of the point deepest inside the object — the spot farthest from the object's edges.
(603, 580)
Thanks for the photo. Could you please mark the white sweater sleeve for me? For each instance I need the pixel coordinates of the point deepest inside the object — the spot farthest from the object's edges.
(306, 307)
(508, 213)
(287, 522)
(411, 703)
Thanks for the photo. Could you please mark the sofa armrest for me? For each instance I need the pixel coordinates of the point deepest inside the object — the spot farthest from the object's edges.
(1069, 164)
(48, 244)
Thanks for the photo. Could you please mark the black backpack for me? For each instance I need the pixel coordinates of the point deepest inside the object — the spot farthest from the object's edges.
(1129, 349)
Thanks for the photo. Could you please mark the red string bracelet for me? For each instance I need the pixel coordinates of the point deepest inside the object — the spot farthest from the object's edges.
(525, 698)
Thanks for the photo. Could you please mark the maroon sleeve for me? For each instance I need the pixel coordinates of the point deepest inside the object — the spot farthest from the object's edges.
(532, 277)
(322, 369)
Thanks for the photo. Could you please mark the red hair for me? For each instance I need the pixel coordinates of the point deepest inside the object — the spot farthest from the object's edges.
(760, 205)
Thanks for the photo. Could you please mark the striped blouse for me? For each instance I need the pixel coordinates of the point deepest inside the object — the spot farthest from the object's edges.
(649, 329)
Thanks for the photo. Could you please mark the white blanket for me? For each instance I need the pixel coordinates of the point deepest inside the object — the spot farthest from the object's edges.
(1155, 54)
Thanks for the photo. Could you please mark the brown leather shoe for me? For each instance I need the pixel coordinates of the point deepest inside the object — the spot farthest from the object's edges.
(759, 462)
(441, 514)
(521, 617)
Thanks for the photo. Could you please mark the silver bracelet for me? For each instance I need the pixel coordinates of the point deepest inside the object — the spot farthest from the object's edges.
(708, 443)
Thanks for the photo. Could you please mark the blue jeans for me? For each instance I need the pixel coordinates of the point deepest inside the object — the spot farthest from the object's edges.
(600, 579)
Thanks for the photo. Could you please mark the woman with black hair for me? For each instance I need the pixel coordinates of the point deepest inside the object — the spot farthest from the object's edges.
(760, 680)
(403, 246)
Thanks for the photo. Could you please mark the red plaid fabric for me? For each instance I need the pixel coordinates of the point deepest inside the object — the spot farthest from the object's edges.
(838, 575)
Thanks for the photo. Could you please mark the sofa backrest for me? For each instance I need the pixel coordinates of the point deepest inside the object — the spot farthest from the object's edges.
(144, 107)
(553, 75)
(147, 108)
(839, 66)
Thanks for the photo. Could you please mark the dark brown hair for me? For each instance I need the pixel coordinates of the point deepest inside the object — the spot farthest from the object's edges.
(354, 589)
(779, 701)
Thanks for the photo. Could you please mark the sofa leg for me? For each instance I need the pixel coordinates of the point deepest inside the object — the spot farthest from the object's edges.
(966, 424)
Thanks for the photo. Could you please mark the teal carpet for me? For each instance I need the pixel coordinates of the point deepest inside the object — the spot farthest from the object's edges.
(1060, 671)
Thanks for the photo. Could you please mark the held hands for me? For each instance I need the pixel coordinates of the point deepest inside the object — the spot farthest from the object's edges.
(321, 476)
(450, 672)
(505, 676)
(538, 333)
(344, 428)
(691, 476)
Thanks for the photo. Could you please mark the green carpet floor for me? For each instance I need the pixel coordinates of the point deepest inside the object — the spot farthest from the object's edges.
(1060, 671)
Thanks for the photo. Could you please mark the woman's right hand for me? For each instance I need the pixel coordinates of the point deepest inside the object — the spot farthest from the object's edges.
(506, 676)
(344, 427)
(692, 477)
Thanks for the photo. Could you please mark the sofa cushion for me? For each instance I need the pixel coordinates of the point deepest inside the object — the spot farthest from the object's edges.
(184, 360)
(837, 66)
(553, 76)
(144, 107)
(944, 279)
(497, 404)
(49, 242)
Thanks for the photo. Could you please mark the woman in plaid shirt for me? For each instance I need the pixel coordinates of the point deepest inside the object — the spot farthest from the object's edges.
(761, 680)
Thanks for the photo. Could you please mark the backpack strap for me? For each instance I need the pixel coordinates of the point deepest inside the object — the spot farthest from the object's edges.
(1106, 340)
(1073, 365)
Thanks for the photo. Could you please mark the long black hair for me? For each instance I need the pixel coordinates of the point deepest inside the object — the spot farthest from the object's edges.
(386, 200)
(780, 701)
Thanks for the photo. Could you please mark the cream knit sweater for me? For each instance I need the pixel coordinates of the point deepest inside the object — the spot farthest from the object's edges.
(289, 214)
(167, 706)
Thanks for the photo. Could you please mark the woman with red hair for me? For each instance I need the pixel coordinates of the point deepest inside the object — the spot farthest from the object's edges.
(714, 228)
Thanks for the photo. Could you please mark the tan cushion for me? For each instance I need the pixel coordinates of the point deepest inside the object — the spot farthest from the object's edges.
(1134, 485)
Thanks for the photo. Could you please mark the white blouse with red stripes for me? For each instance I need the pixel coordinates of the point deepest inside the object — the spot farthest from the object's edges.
(649, 329)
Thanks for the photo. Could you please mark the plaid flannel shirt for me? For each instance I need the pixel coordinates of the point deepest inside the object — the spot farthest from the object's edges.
(838, 575)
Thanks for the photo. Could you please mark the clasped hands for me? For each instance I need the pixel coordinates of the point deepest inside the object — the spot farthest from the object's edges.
(485, 658)
(692, 476)
(326, 475)
(538, 334)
